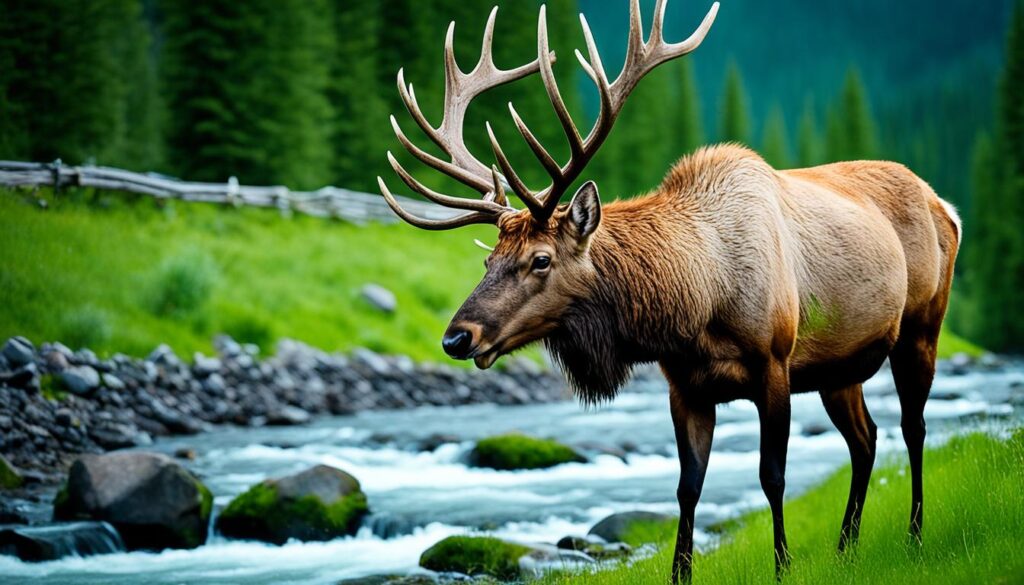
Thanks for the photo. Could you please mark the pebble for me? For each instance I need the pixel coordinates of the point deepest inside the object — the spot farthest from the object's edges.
(81, 380)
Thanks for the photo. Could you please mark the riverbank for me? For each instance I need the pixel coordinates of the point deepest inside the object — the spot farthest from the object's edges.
(974, 508)
(56, 403)
(414, 466)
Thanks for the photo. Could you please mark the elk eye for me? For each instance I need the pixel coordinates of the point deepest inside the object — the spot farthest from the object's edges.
(541, 263)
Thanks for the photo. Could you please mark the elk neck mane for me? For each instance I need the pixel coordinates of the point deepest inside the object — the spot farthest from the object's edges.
(655, 284)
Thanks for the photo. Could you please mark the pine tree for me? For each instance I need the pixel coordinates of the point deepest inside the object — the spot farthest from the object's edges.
(735, 118)
(995, 254)
(247, 85)
(361, 132)
(774, 143)
(687, 125)
(67, 73)
(808, 147)
(641, 145)
(851, 128)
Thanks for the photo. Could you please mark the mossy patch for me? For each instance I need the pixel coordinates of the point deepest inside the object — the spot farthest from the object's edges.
(475, 555)
(9, 476)
(262, 514)
(52, 388)
(516, 451)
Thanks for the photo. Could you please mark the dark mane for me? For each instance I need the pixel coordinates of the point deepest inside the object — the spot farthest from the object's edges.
(588, 349)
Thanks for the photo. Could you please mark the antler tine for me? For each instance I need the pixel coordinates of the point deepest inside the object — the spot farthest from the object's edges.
(408, 95)
(499, 189)
(457, 172)
(695, 39)
(446, 200)
(546, 160)
(487, 45)
(657, 26)
(474, 217)
(642, 57)
(514, 181)
(551, 85)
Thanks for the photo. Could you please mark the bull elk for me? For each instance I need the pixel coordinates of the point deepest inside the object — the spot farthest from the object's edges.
(740, 281)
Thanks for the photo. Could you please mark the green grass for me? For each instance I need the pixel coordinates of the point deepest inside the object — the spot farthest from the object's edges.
(951, 344)
(118, 273)
(124, 276)
(974, 511)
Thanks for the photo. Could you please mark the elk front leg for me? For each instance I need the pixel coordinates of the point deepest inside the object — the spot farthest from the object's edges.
(694, 428)
(774, 413)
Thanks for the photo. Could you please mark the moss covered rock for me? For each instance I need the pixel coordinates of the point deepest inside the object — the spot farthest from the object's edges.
(635, 528)
(152, 501)
(475, 555)
(321, 503)
(9, 476)
(515, 451)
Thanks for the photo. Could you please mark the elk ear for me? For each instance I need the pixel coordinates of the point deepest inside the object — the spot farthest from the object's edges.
(585, 211)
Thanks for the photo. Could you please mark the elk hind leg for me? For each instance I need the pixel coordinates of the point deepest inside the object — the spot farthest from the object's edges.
(913, 369)
(849, 413)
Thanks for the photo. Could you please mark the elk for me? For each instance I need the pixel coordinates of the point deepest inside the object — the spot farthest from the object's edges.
(739, 280)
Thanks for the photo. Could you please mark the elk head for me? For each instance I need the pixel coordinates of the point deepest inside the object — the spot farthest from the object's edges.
(541, 262)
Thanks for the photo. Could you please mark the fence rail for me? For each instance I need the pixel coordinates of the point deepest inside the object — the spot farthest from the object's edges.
(332, 202)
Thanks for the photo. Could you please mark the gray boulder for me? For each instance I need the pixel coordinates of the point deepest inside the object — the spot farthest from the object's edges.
(18, 351)
(152, 501)
(380, 297)
(80, 380)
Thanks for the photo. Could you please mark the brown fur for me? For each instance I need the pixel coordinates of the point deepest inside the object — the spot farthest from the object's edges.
(724, 259)
(741, 282)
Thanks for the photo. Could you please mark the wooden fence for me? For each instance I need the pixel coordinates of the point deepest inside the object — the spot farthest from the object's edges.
(331, 202)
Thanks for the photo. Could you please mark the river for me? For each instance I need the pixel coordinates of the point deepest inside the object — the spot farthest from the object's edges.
(419, 497)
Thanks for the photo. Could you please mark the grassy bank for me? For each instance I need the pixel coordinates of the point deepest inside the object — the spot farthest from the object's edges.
(118, 273)
(974, 510)
(121, 275)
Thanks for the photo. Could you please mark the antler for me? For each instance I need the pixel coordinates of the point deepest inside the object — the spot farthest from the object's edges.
(460, 88)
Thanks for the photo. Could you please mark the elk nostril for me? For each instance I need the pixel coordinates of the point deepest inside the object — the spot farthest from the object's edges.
(456, 343)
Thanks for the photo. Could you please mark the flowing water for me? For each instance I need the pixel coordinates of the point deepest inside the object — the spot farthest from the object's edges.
(421, 497)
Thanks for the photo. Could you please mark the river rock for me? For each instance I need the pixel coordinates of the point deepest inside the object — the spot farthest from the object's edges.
(514, 451)
(320, 503)
(152, 501)
(80, 380)
(26, 377)
(380, 297)
(595, 547)
(476, 555)
(54, 541)
(615, 528)
(288, 416)
(18, 351)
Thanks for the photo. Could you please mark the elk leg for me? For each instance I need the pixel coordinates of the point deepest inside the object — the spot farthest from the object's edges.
(913, 368)
(849, 413)
(774, 412)
(694, 428)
